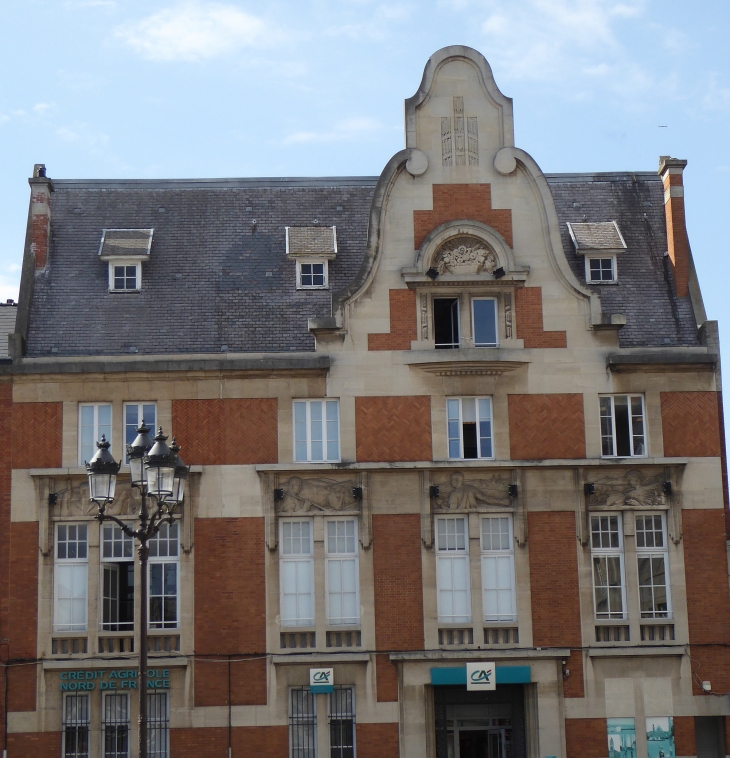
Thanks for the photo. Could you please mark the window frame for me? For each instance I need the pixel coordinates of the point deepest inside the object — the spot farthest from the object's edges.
(96, 429)
(158, 725)
(338, 557)
(609, 552)
(495, 300)
(457, 321)
(342, 751)
(77, 724)
(140, 413)
(596, 257)
(614, 441)
(59, 562)
(654, 552)
(443, 554)
(488, 553)
(114, 724)
(114, 560)
(303, 718)
(313, 260)
(449, 438)
(297, 623)
(164, 560)
(308, 428)
(127, 264)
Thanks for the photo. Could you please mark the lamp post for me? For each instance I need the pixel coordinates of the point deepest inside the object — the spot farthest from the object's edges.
(159, 473)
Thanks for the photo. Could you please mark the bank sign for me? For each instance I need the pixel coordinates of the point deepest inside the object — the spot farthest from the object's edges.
(481, 676)
(321, 680)
(112, 679)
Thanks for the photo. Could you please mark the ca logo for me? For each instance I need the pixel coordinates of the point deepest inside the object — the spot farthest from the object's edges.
(480, 676)
(322, 677)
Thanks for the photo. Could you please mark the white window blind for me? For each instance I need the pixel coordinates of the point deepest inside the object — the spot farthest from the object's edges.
(498, 569)
(607, 552)
(71, 578)
(317, 430)
(343, 601)
(296, 573)
(94, 420)
(452, 571)
(653, 566)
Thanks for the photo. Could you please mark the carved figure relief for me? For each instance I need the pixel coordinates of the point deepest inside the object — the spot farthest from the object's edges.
(307, 495)
(424, 317)
(74, 501)
(459, 137)
(633, 489)
(465, 255)
(446, 149)
(507, 299)
(460, 494)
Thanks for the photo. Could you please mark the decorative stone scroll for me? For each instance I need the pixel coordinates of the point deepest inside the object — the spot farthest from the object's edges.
(465, 255)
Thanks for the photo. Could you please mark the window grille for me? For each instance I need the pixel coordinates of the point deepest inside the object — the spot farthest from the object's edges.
(76, 726)
(158, 725)
(115, 725)
(302, 723)
(342, 722)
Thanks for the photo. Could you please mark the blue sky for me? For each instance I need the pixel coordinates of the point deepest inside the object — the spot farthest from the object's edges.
(124, 88)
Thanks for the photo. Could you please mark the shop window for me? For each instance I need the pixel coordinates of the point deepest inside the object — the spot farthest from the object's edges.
(75, 726)
(94, 420)
(343, 601)
(164, 568)
(117, 561)
(607, 556)
(296, 573)
(317, 430)
(469, 423)
(71, 578)
(452, 571)
(446, 322)
(622, 426)
(652, 563)
(498, 569)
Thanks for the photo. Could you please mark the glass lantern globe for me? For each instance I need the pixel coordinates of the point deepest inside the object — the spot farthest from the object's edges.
(136, 452)
(159, 463)
(102, 471)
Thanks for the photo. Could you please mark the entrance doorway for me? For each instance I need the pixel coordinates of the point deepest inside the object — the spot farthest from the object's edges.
(484, 743)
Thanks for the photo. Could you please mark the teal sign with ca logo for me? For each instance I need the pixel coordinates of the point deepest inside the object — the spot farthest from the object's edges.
(321, 680)
(481, 676)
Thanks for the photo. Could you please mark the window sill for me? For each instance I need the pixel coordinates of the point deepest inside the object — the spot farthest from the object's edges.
(124, 292)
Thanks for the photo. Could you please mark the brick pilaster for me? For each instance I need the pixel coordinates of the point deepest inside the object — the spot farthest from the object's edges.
(671, 170)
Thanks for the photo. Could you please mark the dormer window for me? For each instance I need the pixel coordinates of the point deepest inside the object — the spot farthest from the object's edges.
(599, 242)
(312, 247)
(600, 270)
(124, 250)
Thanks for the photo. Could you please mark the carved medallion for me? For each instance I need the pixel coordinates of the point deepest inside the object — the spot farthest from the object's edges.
(460, 494)
(465, 255)
(311, 495)
(630, 489)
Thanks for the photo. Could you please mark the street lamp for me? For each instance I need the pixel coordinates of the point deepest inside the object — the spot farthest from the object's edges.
(158, 472)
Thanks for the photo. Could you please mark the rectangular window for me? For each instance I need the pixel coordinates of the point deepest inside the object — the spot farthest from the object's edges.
(71, 578)
(312, 274)
(124, 277)
(94, 420)
(484, 319)
(134, 414)
(446, 322)
(498, 569)
(452, 570)
(342, 722)
(115, 725)
(469, 424)
(607, 551)
(75, 726)
(600, 270)
(622, 426)
(158, 727)
(117, 566)
(653, 566)
(343, 601)
(296, 573)
(317, 430)
(302, 723)
(164, 567)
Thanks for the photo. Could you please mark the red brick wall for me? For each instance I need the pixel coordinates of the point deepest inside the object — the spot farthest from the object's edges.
(708, 602)
(403, 325)
(386, 677)
(227, 432)
(554, 589)
(677, 240)
(40, 199)
(398, 591)
(684, 736)
(377, 740)
(452, 202)
(529, 326)
(37, 435)
(230, 610)
(247, 742)
(690, 424)
(546, 426)
(269, 741)
(34, 745)
(393, 428)
(586, 738)
(6, 439)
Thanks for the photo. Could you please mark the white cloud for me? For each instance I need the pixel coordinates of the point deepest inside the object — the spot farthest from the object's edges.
(10, 283)
(84, 135)
(351, 128)
(41, 108)
(195, 30)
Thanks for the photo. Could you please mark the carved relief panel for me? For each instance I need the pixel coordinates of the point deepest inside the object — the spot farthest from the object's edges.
(465, 254)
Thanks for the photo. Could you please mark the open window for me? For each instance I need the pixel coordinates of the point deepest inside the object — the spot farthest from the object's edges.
(446, 322)
(469, 422)
(117, 562)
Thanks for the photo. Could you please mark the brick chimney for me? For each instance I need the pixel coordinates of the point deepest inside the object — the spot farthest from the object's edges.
(40, 214)
(671, 170)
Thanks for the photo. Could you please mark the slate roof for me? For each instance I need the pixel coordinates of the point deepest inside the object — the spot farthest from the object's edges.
(216, 280)
(596, 235)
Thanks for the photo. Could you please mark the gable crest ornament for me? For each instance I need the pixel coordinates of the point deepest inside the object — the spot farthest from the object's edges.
(465, 254)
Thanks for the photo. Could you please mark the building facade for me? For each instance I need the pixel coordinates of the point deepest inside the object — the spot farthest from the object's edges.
(458, 479)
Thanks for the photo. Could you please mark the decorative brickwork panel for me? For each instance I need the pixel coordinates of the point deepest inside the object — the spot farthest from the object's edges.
(708, 603)
(234, 431)
(528, 311)
(23, 613)
(684, 736)
(37, 435)
(554, 580)
(386, 678)
(377, 740)
(586, 738)
(398, 582)
(546, 426)
(230, 610)
(212, 742)
(393, 428)
(34, 745)
(690, 424)
(269, 741)
(403, 323)
(453, 202)
(573, 686)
